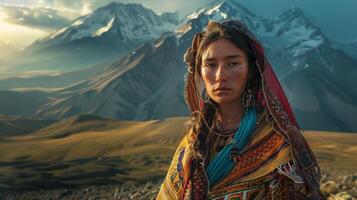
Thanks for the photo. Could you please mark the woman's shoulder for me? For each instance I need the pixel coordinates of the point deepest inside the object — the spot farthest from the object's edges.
(262, 130)
(266, 152)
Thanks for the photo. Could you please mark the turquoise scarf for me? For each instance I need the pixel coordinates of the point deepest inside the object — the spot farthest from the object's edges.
(221, 165)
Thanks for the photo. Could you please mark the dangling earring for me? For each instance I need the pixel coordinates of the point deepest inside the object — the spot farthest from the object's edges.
(204, 97)
(248, 98)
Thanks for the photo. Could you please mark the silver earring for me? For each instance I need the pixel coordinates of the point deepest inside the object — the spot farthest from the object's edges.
(248, 98)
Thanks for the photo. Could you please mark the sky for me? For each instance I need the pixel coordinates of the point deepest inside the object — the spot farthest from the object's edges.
(23, 21)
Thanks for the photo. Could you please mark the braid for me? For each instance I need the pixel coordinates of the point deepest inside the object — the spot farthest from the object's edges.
(204, 125)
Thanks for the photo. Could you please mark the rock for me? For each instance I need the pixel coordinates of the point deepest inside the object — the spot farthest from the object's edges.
(341, 196)
(353, 192)
(329, 187)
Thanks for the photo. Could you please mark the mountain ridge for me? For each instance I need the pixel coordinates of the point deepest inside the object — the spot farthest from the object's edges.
(121, 90)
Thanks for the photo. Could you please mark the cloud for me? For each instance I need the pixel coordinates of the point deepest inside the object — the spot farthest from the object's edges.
(38, 17)
(80, 6)
(87, 6)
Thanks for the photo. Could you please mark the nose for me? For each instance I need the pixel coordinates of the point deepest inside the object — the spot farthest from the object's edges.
(221, 73)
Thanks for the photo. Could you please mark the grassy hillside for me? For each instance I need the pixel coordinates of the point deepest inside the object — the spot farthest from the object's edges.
(88, 150)
(12, 125)
(334, 151)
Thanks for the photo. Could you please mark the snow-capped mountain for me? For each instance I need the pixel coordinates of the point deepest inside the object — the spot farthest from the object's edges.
(148, 82)
(109, 32)
(116, 23)
(288, 38)
(220, 11)
(223, 10)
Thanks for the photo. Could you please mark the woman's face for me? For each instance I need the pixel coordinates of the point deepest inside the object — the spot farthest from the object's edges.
(224, 71)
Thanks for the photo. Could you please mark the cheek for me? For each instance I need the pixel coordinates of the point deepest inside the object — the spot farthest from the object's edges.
(240, 75)
(207, 76)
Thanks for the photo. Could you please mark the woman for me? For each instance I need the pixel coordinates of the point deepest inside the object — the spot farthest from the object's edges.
(243, 141)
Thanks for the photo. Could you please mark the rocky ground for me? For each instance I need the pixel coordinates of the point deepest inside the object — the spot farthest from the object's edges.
(339, 187)
(334, 186)
(118, 192)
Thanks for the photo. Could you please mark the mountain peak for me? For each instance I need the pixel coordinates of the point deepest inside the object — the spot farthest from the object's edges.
(120, 24)
(296, 10)
(240, 8)
(222, 10)
(296, 18)
(117, 5)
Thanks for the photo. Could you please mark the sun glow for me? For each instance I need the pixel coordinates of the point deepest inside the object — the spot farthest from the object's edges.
(18, 34)
(2, 14)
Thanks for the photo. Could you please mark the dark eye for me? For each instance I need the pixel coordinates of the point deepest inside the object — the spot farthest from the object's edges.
(232, 64)
(211, 65)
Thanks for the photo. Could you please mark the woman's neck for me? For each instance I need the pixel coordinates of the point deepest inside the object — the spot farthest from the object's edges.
(230, 114)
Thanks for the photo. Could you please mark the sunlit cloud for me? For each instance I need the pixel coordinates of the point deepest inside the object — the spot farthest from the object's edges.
(3, 15)
(21, 34)
(79, 6)
(24, 24)
(38, 17)
(86, 6)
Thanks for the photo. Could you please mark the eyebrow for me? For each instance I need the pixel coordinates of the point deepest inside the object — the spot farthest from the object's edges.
(226, 57)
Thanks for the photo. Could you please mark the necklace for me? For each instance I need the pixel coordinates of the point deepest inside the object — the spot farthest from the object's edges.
(222, 130)
(218, 129)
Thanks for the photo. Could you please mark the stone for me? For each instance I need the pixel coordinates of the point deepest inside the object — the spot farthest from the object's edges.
(329, 187)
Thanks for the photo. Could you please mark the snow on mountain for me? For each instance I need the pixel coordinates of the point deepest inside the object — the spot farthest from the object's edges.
(220, 11)
(115, 23)
(109, 32)
(148, 83)
(288, 38)
(291, 31)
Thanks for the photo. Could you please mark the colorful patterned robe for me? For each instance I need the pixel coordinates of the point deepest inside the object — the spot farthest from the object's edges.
(265, 171)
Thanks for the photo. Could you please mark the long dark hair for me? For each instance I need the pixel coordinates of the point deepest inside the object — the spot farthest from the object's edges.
(203, 120)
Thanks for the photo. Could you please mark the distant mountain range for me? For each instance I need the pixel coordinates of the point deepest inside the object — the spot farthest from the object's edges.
(109, 32)
(147, 83)
(143, 85)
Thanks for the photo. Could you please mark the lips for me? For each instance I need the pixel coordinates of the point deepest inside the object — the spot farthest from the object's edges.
(221, 89)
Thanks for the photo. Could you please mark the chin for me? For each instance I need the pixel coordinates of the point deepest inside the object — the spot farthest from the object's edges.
(223, 100)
